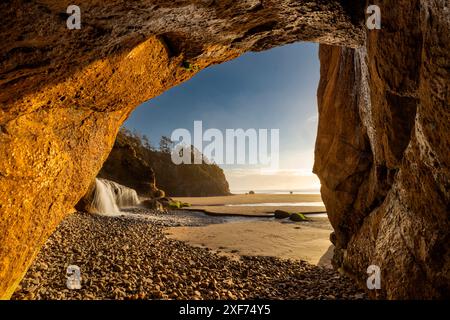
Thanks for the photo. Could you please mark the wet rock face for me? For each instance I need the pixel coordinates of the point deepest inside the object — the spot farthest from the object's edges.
(64, 93)
(382, 150)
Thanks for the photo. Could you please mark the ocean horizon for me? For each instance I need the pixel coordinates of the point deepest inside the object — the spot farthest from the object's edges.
(279, 191)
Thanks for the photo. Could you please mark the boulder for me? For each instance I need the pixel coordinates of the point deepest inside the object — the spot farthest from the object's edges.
(298, 217)
(280, 214)
(159, 194)
(152, 204)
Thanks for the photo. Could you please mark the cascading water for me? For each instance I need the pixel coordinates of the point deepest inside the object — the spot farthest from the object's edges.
(109, 197)
(124, 196)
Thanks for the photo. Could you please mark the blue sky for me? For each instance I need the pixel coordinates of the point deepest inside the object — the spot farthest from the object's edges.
(275, 89)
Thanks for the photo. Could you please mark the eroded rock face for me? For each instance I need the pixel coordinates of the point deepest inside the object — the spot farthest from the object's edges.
(153, 174)
(382, 150)
(64, 93)
(125, 166)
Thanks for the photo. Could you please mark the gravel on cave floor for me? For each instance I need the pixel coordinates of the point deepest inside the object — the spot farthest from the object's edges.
(129, 257)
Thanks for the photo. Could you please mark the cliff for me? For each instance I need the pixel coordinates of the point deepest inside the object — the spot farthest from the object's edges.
(132, 164)
(382, 151)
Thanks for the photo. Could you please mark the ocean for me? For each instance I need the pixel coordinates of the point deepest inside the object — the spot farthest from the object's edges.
(299, 191)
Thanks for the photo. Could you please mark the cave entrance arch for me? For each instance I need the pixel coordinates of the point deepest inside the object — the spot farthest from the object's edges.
(65, 94)
(273, 90)
(64, 97)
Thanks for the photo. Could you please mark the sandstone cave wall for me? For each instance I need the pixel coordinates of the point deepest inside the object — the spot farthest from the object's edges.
(382, 147)
(64, 93)
(382, 151)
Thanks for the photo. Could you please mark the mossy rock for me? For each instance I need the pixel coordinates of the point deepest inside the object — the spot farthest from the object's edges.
(280, 214)
(175, 204)
(298, 217)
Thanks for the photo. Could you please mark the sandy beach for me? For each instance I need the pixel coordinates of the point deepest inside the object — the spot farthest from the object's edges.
(307, 241)
(262, 238)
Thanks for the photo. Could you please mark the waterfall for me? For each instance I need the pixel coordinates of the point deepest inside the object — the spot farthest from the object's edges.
(109, 197)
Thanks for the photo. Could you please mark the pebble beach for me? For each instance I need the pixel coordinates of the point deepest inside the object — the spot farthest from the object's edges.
(130, 257)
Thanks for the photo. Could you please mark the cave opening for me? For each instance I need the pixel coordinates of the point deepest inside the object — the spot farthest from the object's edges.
(382, 146)
(260, 105)
(269, 91)
(274, 89)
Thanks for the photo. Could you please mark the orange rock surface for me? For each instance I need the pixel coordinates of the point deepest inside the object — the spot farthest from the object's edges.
(64, 93)
(383, 140)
